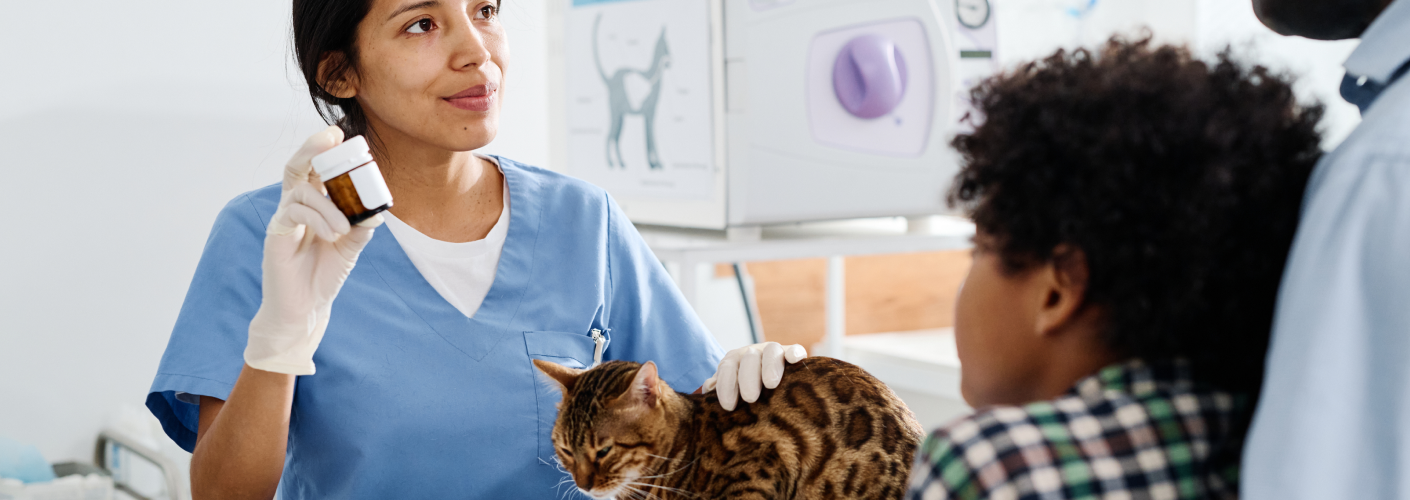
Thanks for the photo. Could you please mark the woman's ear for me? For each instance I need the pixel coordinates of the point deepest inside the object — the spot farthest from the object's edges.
(1064, 280)
(337, 76)
(564, 376)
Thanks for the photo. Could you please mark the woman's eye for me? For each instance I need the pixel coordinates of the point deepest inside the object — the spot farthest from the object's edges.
(421, 26)
(603, 452)
(488, 12)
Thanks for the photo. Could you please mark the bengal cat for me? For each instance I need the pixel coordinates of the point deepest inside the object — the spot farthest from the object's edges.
(830, 430)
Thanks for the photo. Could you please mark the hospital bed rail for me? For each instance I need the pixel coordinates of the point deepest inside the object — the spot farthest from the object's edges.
(170, 471)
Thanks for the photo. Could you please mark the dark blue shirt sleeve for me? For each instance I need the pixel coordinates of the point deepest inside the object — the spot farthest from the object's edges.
(206, 351)
(648, 318)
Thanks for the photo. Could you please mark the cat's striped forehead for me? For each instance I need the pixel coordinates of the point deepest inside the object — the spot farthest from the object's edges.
(592, 391)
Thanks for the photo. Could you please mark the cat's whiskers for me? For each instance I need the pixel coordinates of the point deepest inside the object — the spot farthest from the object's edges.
(630, 484)
(567, 477)
(568, 480)
(664, 458)
(678, 491)
(561, 482)
(638, 492)
(630, 491)
(678, 469)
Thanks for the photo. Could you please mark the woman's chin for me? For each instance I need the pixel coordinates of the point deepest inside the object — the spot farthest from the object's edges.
(467, 137)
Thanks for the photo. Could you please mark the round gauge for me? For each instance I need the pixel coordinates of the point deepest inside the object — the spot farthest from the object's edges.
(973, 14)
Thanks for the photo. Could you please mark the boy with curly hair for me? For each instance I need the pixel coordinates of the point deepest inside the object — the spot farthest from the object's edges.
(1134, 207)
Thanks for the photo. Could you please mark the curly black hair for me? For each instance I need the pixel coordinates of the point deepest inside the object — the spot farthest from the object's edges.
(1180, 180)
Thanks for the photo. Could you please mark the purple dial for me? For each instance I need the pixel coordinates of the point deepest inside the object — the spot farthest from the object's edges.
(869, 76)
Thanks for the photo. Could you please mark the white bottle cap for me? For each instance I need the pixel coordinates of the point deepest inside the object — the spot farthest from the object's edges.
(342, 158)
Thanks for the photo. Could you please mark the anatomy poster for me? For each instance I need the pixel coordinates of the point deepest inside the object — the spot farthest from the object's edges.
(639, 95)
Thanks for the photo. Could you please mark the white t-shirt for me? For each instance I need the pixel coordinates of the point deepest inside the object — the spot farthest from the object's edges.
(461, 272)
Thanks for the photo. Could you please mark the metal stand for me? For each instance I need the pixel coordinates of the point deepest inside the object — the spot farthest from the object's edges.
(751, 305)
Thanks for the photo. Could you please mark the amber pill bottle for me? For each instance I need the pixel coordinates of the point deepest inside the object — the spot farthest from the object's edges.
(354, 183)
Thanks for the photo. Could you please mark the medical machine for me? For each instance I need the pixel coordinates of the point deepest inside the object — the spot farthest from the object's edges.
(739, 113)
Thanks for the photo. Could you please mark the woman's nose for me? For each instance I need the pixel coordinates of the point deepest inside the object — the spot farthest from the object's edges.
(469, 47)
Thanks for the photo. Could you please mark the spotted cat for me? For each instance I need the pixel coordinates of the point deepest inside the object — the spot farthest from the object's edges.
(830, 430)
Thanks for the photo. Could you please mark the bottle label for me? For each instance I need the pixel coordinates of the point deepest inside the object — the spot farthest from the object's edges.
(370, 186)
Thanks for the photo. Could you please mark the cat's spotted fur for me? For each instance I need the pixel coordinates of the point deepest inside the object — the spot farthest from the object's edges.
(830, 430)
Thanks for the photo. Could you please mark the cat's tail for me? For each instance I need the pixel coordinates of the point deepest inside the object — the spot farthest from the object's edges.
(596, 58)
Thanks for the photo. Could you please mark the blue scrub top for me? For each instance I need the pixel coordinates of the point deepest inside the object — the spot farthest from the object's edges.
(413, 399)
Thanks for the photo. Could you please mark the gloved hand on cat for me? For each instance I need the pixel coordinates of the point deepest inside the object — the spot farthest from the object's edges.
(309, 249)
(744, 370)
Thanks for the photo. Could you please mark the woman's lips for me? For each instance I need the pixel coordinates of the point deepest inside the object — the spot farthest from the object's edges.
(477, 98)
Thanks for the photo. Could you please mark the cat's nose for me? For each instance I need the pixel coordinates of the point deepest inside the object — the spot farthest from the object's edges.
(584, 479)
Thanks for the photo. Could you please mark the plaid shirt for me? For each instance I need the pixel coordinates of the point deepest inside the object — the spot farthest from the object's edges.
(1132, 430)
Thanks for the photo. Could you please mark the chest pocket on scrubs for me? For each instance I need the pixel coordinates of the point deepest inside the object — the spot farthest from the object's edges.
(573, 350)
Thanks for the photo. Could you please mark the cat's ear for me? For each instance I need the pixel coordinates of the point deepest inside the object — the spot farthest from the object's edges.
(646, 387)
(564, 376)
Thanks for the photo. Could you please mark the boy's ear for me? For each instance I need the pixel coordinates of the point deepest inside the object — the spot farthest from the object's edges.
(1065, 294)
(336, 75)
(645, 390)
(564, 376)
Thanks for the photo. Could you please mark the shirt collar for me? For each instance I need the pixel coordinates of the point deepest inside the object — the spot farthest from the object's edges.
(1385, 45)
(1138, 378)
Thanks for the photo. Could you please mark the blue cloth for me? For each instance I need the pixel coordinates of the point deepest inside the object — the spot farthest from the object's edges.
(23, 462)
(1335, 409)
(414, 400)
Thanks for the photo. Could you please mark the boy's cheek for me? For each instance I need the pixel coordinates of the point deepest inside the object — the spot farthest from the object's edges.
(989, 335)
(973, 341)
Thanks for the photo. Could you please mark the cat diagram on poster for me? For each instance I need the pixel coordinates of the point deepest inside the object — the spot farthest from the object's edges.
(639, 97)
(620, 104)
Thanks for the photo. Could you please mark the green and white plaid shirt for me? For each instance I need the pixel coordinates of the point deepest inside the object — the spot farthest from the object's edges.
(1133, 430)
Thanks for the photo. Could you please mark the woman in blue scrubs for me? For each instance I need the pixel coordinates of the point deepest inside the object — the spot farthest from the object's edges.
(420, 391)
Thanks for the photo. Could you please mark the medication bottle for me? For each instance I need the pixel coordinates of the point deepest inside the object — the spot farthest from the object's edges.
(354, 183)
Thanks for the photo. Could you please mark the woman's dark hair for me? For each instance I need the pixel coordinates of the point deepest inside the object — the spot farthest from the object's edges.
(1180, 180)
(330, 26)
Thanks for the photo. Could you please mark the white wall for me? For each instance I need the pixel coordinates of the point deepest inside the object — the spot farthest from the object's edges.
(1030, 29)
(1316, 64)
(124, 128)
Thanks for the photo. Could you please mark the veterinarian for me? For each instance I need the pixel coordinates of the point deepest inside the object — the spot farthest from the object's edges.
(337, 361)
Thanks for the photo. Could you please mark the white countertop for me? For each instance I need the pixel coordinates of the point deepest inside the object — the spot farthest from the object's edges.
(923, 361)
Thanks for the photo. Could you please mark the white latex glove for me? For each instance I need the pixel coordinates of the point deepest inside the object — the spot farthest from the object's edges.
(309, 249)
(745, 369)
